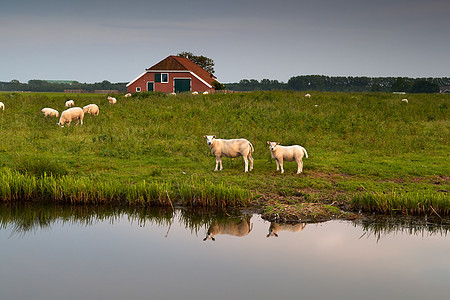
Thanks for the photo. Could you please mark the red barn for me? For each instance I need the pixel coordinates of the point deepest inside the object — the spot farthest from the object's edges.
(173, 74)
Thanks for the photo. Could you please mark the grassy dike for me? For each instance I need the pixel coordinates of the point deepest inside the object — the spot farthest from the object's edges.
(368, 152)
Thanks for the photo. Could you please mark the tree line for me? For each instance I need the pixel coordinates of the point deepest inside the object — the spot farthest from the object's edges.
(345, 84)
(49, 86)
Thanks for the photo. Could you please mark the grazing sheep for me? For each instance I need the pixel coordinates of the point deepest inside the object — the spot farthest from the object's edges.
(405, 100)
(173, 93)
(276, 227)
(287, 153)
(2, 106)
(194, 93)
(112, 100)
(230, 148)
(91, 109)
(50, 112)
(205, 93)
(307, 96)
(128, 95)
(235, 227)
(71, 114)
(70, 103)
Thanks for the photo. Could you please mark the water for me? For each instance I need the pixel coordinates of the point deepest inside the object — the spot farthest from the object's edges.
(85, 253)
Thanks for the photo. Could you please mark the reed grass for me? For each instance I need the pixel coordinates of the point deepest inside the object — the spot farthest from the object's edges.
(17, 187)
(431, 203)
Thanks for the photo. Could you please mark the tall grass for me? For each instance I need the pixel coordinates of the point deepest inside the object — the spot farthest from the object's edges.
(404, 203)
(17, 187)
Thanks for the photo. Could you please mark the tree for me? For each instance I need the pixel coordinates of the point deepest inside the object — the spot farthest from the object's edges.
(423, 86)
(206, 63)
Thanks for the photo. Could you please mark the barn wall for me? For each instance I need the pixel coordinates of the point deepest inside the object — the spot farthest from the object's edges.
(196, 84)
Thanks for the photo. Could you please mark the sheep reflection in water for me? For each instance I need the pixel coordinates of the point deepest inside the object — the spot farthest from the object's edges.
(274, 228)
(236, 227)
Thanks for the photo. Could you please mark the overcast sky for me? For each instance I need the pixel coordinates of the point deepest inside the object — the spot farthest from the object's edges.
(95, 40)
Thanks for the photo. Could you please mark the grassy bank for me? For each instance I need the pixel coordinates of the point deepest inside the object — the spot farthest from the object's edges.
(150, 148)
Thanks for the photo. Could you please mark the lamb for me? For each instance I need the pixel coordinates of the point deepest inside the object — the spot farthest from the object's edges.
(50, 112)
(194, 93)
(287, 153)
(128, 95)
(230, 148)
(112, 100)
(70, 103)
(205, 93)
(405, 100)
(71, 114)
(308, 96)
(2, 106)
(91, 109)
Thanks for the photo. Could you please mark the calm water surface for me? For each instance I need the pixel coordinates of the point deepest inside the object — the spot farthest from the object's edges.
(81, 253)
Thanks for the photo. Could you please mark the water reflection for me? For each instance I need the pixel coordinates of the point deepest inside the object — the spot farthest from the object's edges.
(232, 226)
(275, 228)
(79, 252)
(29, 218)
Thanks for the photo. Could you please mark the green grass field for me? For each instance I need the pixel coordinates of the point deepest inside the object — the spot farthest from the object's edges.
(150, 149)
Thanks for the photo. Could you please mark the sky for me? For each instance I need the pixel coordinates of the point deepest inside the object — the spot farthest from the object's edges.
(95, 40)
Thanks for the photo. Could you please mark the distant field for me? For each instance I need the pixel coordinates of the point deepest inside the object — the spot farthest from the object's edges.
(361, 145)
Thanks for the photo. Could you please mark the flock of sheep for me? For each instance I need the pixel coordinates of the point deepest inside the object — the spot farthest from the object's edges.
(74, 113)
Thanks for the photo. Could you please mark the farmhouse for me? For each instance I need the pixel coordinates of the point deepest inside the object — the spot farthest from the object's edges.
(173, 74)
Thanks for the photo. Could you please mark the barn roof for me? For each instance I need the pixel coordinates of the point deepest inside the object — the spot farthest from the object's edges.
(177, 63)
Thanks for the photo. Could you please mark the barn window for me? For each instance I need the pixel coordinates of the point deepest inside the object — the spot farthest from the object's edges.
(162, 77)
(138, 89)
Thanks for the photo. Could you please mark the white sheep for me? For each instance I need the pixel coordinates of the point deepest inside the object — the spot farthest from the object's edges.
(71, 114)
(2, 106)
(205, 93)
(70, 103)
(308, 96)
(405, 100)
(112, 100)
(128, 95)
(173, 94)
(287, 153)
(230, 148)
(50, 112)
(195, 93)
(91, 109)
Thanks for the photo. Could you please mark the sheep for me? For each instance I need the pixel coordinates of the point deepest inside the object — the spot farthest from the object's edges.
(91, 109)
(230, 148)
(2, 106)
(173, 94)
(405, 100)
(70, 103)
(240, 228)
(127, 95)
(287, 153)
(205, 93)
(276, 227)
(71, 114)
(194, 93)
(50, 112)
(308, 96)
(112, 100)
